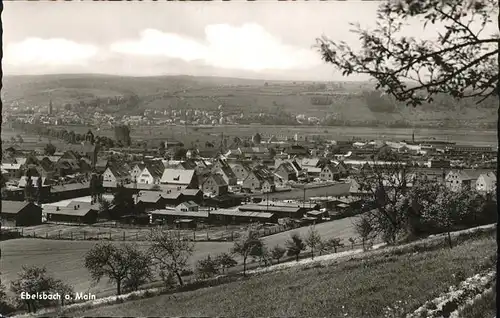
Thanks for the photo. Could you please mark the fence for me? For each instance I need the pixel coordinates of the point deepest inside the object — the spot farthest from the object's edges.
(122, 232)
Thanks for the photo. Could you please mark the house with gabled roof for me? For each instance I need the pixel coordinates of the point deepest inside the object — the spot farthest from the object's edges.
(260, 179)
(152, 173)
(240, 170)
(330, 173)
(457, 180)
(136, 171)
(187, 206)
(286, 171)
(18, 213)
(487, 182)
(180, 177)
(116, 175)
(215, 184)
(221, 167)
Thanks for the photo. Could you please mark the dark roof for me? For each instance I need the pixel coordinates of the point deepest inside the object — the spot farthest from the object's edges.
(118, 171)
(70, 187)
(13, 207)
(250, 214)
(270, 208)
(287, 167)
(188, 165)
(218, 179)
(191, 192)
(199, 214)
(155, 168)
(81, 211)
(189, 204)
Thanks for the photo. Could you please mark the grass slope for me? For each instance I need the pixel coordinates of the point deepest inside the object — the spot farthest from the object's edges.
(352, 288)
(64, 259)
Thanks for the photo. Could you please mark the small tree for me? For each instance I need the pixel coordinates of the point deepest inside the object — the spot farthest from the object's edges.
(278, 252)
(140, 268)
(118, 263)
(322, 247)
(335, 243)
(248, 245)
(104, 209)
(364, 229)
(225, 261)
(207, 267)
(171, 252)
(32, 280)
(352, 241)
(295, 245)
(313, 239)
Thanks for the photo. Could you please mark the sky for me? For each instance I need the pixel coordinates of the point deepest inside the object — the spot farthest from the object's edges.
(261, 39)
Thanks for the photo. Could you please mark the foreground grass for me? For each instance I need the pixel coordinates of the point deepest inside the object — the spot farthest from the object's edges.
(484, 307)
(351, 288)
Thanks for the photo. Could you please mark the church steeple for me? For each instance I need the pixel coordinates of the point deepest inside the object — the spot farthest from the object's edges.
(50, 107)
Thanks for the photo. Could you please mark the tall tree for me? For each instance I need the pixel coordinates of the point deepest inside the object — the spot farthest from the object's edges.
(121, 264)
(295, 245)
(123, 202)
(313, 239)
(248, 245)
(171, 252)
(462, 62)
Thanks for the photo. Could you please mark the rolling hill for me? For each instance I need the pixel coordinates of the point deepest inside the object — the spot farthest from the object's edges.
(344, 101)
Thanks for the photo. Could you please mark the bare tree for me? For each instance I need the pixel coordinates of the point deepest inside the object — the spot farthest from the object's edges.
(364, 229)
(207, 267)
(32, 280)
(118, 263)
(295, 245)
(248, 245)
(335, 243)
(278, 252)
(312, 240)
(462, 62)
(171, 252)
(225, 261)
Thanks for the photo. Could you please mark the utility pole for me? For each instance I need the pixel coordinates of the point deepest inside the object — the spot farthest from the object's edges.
(304, 200)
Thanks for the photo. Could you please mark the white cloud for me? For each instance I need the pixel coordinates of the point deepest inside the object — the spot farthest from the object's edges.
(48, 52)
(248, 47)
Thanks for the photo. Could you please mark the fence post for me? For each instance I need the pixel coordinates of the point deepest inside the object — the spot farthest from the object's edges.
(59, 234)
(22, 232)
(208, 239)
(34, 234)
(84, 235)
(110, 235)
(232, 236)
(124, 235)
(194, 235)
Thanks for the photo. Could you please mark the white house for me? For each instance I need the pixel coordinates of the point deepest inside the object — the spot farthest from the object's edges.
(487, 182)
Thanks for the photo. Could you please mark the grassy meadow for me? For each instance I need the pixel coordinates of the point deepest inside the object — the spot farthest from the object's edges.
(64, 259)
(371, 287)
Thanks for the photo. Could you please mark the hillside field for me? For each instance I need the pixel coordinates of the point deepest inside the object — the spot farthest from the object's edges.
(378, 285)
(64, 259)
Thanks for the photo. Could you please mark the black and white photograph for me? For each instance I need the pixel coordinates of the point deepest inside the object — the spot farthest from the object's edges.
(249, 158)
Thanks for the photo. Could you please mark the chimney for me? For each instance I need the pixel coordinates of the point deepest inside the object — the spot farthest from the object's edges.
(76, 207)
(57, 208)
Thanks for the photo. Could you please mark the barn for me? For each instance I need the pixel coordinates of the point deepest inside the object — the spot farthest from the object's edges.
(72, 214)
(18, 213)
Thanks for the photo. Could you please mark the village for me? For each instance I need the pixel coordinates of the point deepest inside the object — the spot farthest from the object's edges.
(293, 183)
